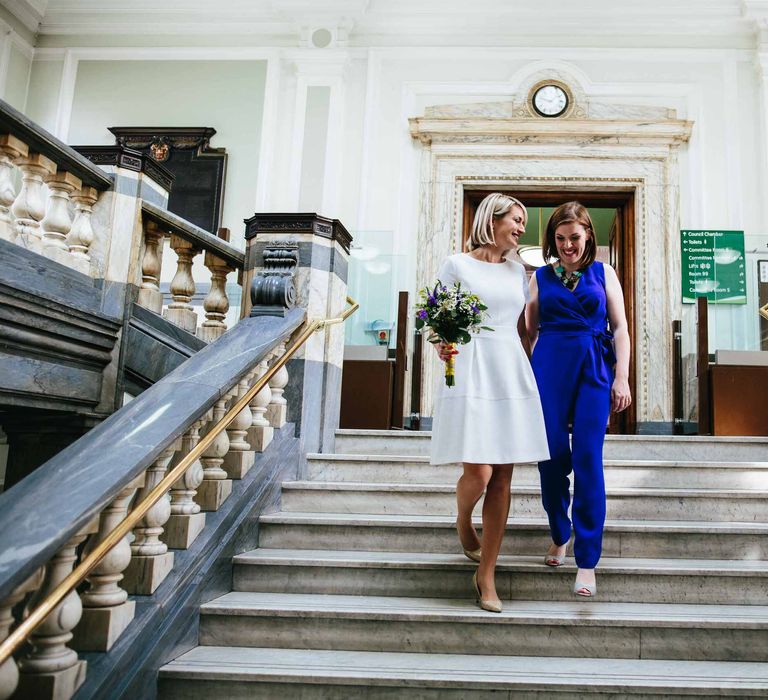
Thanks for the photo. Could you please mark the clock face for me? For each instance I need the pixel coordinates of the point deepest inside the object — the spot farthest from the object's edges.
(550, 100)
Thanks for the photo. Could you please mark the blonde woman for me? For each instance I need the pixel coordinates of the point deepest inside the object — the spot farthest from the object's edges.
(492, 417)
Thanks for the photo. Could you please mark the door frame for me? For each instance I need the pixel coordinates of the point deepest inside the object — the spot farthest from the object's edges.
(621, 200)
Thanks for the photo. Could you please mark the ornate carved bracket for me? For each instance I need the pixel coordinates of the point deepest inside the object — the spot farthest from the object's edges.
(273, 291)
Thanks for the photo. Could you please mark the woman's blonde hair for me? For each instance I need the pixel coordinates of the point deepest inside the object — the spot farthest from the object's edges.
(494, 206)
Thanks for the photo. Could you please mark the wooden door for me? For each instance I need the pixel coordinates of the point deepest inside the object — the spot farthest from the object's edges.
(621, 256)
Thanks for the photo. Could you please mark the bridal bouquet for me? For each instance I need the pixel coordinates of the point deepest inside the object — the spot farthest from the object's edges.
(452, 313)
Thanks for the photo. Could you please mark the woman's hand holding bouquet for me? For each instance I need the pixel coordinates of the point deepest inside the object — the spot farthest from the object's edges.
(451, 313)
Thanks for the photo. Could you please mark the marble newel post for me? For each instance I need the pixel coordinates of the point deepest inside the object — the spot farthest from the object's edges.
(301, 259)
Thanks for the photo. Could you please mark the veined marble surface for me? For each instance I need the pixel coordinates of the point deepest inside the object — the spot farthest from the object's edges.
(646, 164)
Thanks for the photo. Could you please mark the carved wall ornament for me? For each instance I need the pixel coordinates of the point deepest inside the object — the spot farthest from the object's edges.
(160, 151)
(310, 223)
(200, 171)
(273, 290)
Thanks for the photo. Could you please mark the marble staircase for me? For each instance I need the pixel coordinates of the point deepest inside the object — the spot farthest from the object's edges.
(358, 588)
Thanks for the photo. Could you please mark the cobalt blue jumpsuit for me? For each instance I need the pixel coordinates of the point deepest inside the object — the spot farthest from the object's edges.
(573, 362)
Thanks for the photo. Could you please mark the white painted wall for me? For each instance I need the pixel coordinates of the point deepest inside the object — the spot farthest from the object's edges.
(370, 178)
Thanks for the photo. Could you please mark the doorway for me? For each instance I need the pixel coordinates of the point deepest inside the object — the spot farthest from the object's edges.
(614, 217)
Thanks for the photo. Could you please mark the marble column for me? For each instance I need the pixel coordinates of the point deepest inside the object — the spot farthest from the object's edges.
(240, 457)
(106, 608)
(9, 671)
(11, 150)
(151, 561)
(260, 433)
(180, 310)
(50, 670)
(302, 259)
(29, 205)
(186, 521)
(57, 223)
(216, 485)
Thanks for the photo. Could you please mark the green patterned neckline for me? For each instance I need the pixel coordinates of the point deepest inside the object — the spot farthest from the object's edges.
(569, 279)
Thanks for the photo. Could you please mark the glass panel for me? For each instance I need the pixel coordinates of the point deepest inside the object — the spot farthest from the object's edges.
(735, 322)
(739, 326)
(374, 279)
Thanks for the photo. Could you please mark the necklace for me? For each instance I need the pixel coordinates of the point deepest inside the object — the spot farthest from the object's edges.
(569, 279)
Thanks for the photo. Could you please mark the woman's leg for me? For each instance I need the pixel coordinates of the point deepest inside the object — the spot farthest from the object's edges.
(469, 490)
(495, 514)
(590, 418)
(556, 378)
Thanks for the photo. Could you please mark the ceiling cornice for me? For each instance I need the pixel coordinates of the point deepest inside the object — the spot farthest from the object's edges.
(29, 12)
(365, 23)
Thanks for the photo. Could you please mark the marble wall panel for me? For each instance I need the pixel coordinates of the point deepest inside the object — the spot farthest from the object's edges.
(649, 169)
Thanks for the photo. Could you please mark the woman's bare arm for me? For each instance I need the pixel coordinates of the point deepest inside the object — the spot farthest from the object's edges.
(532, 313)
(620, 394)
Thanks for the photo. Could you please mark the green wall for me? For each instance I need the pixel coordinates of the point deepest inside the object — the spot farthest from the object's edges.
(227, 95)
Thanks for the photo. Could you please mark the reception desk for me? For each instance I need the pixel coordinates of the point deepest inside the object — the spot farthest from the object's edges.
(739, 393)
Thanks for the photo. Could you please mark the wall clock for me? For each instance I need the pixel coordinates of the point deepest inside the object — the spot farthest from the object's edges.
(550, 100)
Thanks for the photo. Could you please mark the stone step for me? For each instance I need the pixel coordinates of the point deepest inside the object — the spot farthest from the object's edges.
(528, 536)
(240, 673)
(618, 473)
(730, 505)
(410, 574)
(579, 628)
(667, 447)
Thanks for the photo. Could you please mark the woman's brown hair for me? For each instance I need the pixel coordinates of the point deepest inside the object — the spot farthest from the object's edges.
(570, 212)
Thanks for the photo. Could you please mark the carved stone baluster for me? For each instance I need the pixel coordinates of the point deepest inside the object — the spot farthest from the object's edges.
(57, 222)
(11, 149)
(150, 296)
(277, 411)
(106, 608)
(151, 561)
(81, 234)
(29, 206)
(216, 303)
(261, 432)
(240, 457)
(216, 485)
(186, 521)
(51, 670)
(9, 671)
(180, 311)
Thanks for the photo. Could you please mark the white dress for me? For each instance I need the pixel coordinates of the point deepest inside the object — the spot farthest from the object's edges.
(493, 413)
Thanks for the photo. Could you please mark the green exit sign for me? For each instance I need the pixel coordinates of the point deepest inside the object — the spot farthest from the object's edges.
(713, 266)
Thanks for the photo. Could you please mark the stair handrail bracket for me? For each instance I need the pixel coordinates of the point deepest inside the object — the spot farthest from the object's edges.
(114, 454)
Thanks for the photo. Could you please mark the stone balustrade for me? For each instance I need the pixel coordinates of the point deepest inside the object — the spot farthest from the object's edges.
(187, 241)
(93, 618)
(47, 192)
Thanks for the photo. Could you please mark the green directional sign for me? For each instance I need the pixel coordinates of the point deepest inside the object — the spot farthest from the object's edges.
(713, 266)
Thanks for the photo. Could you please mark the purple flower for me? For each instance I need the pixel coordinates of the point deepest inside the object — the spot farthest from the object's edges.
(474, 308)
(431, 301)
(423, 315)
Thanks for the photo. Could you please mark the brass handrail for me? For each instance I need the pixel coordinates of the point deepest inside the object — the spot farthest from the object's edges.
(78, 574)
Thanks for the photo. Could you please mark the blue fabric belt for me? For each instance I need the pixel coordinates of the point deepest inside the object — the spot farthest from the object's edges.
(603, 339)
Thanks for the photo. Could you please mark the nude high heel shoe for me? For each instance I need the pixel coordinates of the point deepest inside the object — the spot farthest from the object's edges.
(473, 554)
(489, 605)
